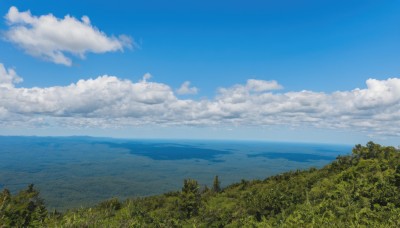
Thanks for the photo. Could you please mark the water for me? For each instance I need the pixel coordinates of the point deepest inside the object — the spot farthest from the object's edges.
(81, 171)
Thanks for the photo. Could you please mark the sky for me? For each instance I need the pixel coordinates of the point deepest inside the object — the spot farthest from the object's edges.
(302, 71)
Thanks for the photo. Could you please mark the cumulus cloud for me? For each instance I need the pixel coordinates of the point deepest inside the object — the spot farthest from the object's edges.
(8, 77)
(186, 89)
(108, 101)
(50, 38)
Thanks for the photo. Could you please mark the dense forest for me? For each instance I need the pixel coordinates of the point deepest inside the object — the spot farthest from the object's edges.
(361, 189)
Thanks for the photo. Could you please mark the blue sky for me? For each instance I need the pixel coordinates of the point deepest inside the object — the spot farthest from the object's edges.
(318, 46)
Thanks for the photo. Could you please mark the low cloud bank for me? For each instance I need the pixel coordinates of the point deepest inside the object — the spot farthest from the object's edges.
(109, 101)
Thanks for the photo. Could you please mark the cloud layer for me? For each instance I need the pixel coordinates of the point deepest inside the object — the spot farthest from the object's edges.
(108, 101)
(51, 38)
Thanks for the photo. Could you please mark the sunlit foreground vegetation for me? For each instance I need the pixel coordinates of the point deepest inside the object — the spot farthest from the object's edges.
(362, 189)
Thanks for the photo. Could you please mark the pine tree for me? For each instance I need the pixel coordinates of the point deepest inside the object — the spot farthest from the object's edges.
(24, 209)
(190, 198)
(216, 184)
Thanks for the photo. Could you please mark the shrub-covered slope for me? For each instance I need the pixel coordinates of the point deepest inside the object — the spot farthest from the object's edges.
(362, 189)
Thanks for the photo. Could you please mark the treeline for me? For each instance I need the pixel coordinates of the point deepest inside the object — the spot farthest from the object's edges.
(358, 190)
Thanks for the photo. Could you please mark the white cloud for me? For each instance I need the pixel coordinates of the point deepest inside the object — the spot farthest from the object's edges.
(109, 102)
(8, 77)
(51, 38)
(186, 89)
(146, 77)
(261, 86)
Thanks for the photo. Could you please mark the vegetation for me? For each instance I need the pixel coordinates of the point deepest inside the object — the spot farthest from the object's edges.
(23, 209)
(216, 184)
(359, 190)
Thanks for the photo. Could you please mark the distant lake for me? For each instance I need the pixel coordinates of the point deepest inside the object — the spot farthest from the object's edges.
(82, 171)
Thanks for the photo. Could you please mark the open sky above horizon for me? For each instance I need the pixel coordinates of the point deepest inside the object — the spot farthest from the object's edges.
(314, 71)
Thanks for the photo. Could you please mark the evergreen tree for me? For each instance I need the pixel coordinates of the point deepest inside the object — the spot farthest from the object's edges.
(190, 198)
(22, 210)
(216, 184)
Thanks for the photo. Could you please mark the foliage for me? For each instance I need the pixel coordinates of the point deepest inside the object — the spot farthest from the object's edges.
(359, 190)
(24, 209)
(190, 198)
(216, 184)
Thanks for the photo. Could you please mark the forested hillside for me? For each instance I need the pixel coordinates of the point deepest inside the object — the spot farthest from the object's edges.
(362, 189)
